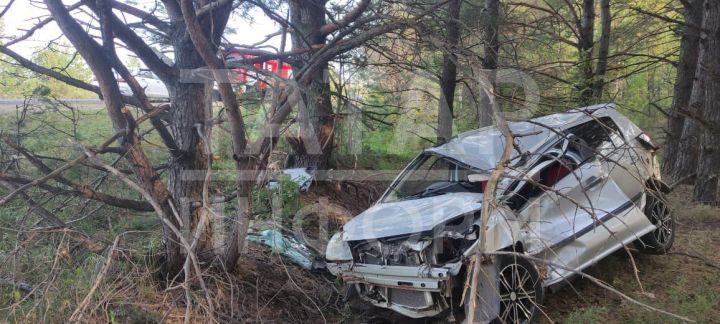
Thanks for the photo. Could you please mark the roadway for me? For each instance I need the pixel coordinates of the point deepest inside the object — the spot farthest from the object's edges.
(9, 105)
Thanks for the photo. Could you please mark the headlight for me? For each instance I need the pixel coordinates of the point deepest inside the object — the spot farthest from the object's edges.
(337, 249)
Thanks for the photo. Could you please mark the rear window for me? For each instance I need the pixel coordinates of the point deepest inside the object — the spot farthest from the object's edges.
(596, 132)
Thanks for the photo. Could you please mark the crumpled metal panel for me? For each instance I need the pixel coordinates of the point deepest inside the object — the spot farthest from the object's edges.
(482, 148)
(301, 176)
(410, 216)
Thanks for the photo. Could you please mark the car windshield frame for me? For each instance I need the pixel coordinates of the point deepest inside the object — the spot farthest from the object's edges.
(458, 184)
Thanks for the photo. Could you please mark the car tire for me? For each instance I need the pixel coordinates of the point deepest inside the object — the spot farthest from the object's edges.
(521, 290)
(661, 239)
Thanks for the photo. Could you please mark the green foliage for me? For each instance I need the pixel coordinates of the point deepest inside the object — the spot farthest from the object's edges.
(18, 82)
(279, 204)
(53, 129)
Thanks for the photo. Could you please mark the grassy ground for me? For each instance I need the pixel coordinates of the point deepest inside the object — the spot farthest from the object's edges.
(685, 282)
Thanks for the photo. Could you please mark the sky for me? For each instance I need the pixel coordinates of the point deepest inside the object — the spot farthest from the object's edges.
(24, 14)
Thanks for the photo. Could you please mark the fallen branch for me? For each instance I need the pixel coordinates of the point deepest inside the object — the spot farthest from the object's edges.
(52, 175)
(78, 160)
(164, 218)
(84, 304)
(682, 180)
(597, 282)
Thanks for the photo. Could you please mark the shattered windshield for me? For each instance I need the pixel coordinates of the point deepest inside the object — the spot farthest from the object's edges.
(432, 175)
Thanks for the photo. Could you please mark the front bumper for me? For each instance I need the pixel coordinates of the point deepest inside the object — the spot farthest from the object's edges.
(423, 278)
(414, 291)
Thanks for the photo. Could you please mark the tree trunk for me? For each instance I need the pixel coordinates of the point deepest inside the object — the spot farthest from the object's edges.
(190, 113)
(313, 144)
(686, 162)
(706, 183)
(687, 152)
(491, 31)
(187, 171)
(585, 49)
(123, 122)
(448, 80)
(687, 65)
(603, 50)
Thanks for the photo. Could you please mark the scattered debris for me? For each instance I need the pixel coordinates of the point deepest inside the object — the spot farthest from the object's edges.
(289, 247)
(301, 176)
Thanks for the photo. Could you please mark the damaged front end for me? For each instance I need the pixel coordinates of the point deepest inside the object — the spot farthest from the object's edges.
(410, 251)
(417, 275)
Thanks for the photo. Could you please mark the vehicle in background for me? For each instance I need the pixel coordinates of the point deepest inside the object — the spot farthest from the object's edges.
(155, 89)
(259, 74)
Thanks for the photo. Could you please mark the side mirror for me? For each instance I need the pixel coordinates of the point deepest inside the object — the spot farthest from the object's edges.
(646, 142)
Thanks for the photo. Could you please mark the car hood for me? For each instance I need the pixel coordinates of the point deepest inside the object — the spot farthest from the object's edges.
(410, 216)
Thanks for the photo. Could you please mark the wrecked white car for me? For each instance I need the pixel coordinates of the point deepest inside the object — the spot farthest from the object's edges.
(579, 185)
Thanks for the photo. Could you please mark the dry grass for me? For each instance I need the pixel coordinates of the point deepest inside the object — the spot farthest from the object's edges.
(265, 289)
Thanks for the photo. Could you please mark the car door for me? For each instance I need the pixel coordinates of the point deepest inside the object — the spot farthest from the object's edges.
(626, 173)
(573, 222)
(624, 165)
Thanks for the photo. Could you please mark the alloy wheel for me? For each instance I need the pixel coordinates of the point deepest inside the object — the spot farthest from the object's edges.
(518, 298)
(661, 216)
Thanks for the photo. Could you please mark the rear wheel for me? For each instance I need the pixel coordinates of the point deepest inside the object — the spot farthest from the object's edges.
(660, 240)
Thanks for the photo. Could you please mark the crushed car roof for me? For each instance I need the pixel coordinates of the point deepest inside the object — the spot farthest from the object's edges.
(482, 148)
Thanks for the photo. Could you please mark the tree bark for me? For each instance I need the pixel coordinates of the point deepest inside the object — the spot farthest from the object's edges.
(204, 35)
(313, 144)
(687, 152)
(448, 80)
(191, 114)
(585, 49)
(189, 119)
(491, 32)
(685, 78)
(603, 51)
(686, 162)
(708, 169)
